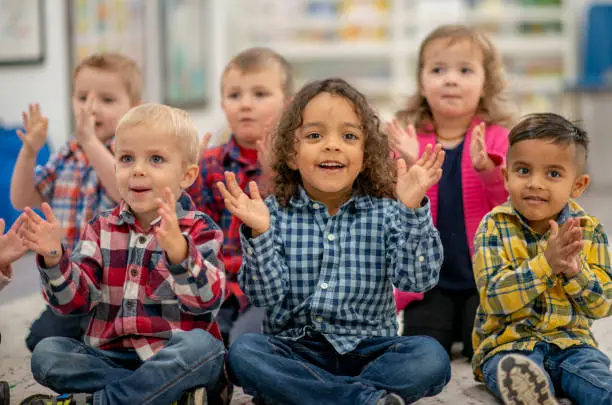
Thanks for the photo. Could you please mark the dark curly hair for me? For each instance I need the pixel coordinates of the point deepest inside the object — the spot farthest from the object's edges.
(378, 174)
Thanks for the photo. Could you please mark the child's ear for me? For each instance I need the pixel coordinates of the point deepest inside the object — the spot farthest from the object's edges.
(504, 171)
(580, 184)
(189, 177)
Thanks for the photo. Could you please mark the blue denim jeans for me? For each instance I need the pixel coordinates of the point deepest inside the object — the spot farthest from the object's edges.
(189, 359)
(310, 371)
(580, 373)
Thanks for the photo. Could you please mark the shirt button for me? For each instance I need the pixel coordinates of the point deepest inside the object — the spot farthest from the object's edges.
(254, 278)
(421, 259)
(324, 286)
(316, 206)
(331, 237)
(134, 272)
(319, 319)
(250, 251)
(142, 240)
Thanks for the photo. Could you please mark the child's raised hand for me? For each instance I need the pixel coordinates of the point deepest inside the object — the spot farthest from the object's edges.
(168, 232)
(478, 150)
(204, 144)
(252, 211)
(413, 183)
(85, 121)
(11, 243)
(35, 125)
(564, 246)
(43, 236)
(403, 141)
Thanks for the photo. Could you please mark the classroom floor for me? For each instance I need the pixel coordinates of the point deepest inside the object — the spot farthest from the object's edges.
(21, 302)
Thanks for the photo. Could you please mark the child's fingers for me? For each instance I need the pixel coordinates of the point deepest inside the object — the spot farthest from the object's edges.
(554, 228)
(170, 198)
(401, 167)
(46, 209)
(411, 131)
(33, 217)
(439, 159)
(254, 191)
(433, 157)
(572, 249)
(224, 192)
(425, 156)
(232, 184)
(17, 225)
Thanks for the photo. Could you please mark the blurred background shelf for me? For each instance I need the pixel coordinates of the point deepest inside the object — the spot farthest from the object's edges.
(374, 43)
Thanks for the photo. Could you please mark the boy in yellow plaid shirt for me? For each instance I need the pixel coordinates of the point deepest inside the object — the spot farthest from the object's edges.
(542, 268)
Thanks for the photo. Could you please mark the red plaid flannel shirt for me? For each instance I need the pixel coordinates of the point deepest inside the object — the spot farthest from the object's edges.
(208, 199)
(136, 298)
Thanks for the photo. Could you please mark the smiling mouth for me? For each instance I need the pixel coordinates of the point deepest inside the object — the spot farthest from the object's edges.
(535, 199)
(331, 165)
(139, 190)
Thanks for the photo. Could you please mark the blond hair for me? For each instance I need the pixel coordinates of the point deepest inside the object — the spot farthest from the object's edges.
(495, 107)
(125, 67)
(173, 121)
(256, 59)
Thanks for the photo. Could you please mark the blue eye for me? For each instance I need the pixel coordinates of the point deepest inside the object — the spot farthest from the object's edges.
(156, 159)
(313, 135)
(554, 174)
(126, 159)
(350, 136)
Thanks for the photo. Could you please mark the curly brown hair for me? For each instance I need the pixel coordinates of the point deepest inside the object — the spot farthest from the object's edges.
(496, 107)
(376, 178)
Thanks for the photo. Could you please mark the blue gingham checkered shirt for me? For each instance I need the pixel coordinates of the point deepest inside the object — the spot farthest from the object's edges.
(335, 274)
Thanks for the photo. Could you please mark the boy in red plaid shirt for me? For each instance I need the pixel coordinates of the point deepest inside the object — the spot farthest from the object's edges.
(256, 85)
(150, 272)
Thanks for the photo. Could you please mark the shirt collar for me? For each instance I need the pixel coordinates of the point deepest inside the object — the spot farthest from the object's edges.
(571, 210)
(231, 151)
(185, 212)
(360, 202)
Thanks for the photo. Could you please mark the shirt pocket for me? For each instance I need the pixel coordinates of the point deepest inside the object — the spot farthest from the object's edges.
(159, 285)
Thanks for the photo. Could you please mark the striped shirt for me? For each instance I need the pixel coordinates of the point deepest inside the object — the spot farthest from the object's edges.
(335, 274)
(521, 301)
(137, 299)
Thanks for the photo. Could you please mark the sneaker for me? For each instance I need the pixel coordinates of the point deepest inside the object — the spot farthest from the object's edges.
(196, 396)
(522, 382)
(64, 399)
(5, 393)
(391, 399)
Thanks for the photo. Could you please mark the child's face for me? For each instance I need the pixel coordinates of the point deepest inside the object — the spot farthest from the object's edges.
(452, 78)
(252, 102)
(147, 161)
(329, 149)
(111, 99)
(540, 177)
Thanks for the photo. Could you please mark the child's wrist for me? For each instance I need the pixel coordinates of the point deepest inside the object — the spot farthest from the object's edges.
(179, 250)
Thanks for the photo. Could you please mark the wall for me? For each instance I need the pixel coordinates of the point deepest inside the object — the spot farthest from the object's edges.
(47, 84)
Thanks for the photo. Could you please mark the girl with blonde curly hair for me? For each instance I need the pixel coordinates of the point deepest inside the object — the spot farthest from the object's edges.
(322, 255)
(461, 104)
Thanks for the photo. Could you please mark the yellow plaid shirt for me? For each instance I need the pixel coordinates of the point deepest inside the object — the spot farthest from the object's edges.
(521, 301)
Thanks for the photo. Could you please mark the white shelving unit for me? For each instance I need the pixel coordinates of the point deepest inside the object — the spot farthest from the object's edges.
(374, 43)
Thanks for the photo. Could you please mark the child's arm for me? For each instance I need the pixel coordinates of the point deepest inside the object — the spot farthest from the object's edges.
(264, 273)
(488, 148)
(591, 287)
(23, 185)
(100, 158)
(69, 285)
(194, 260)
(414, 250)
(504, 288)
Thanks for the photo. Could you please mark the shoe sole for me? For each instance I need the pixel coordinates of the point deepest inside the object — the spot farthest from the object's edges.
(522, 382)
(200, 397)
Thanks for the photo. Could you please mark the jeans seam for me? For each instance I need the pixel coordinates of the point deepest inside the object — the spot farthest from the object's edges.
(188, 371)
(573, 370)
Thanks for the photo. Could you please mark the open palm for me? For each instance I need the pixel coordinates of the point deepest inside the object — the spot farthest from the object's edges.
(11, 243)
(35, 125)
(252, 211)
(413, 183)
(403, 141)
